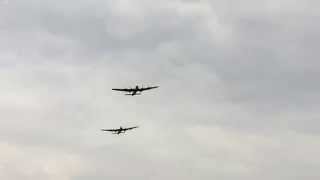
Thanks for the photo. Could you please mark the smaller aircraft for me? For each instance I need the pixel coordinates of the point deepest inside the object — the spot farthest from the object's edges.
(120, 130)
(136, 90)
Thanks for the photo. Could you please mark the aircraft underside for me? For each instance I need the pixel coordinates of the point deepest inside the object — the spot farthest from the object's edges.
(133, 94)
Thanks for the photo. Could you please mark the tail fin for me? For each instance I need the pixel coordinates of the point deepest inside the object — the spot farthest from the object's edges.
(132, 94)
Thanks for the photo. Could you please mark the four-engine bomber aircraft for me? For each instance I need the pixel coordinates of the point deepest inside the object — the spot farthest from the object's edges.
(120, 130)
(136, 90)
(131, 92)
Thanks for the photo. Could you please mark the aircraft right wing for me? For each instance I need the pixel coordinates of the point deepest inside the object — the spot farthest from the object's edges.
(130, 128)
(148, 88)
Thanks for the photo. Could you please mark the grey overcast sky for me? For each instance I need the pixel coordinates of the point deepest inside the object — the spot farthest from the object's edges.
(238, 97)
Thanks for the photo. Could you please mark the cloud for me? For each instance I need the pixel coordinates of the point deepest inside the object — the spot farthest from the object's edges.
(37, 163)
(237, 96)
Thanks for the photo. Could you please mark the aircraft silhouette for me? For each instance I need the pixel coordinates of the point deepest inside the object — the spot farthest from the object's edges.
(120, 130)
(136, 90)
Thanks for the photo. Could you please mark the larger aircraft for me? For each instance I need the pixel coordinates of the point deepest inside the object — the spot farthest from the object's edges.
(135, 91)
(120, 130)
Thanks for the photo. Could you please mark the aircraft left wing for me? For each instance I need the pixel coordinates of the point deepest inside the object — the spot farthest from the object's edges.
(125, 90)
(111, 130)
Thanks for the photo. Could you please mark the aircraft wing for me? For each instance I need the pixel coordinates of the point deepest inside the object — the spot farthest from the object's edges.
(130, 128)
(111, 130)
(125, 90)
(148, 88)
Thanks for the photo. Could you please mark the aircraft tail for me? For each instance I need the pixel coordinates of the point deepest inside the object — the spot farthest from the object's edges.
(132, 94)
